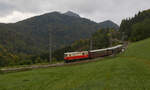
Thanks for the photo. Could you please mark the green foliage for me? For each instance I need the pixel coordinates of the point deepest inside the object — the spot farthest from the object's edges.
(59, 54)
(25, 62)
(10, 59)
(136, 28)
(141, 30)
(80, 45)
(100, 39)
(7, 58)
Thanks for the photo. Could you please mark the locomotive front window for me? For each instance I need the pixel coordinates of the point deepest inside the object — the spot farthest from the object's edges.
(65, 55)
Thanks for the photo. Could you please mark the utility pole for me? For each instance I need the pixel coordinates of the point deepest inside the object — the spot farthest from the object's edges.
(50, 46)
(91, 44)
(110, 37)
(123, 36)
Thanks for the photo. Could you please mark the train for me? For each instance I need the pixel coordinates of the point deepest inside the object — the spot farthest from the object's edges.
(91, 54)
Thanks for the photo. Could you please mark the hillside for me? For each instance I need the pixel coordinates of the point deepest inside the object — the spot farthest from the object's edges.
(129, 70)
(31, 36)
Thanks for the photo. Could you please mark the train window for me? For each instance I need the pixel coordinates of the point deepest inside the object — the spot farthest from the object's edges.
(74, 54)
(67, 55)
(83, 54)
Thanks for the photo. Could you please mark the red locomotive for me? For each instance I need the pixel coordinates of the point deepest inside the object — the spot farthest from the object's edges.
(73, 56)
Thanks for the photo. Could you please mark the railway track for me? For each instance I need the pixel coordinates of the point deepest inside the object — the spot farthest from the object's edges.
(46, 66)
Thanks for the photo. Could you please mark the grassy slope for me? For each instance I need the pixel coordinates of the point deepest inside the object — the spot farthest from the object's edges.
(128, 71)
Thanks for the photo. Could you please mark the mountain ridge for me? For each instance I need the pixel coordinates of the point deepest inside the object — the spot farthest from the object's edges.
(108, 24)
(31, 35)
(70, 13)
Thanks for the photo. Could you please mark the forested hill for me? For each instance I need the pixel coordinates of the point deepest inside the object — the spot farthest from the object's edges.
(108, 24)
(31, 35)
(138, 27)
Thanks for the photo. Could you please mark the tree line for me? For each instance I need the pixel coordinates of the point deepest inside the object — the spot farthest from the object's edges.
(136, 28)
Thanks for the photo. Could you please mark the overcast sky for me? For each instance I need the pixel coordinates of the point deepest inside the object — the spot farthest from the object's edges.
(97, 10)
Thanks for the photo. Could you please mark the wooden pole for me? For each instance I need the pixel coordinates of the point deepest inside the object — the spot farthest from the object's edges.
(50, 46)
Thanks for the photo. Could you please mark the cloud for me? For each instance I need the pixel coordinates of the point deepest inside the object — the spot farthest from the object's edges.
(97, 10)
(16, 16)
(5, 8)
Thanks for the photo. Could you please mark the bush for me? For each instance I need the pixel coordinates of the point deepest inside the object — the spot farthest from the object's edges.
(25, 62)
(140, 30)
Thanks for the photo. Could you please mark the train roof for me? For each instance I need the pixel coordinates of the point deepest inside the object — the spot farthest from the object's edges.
(106, 48)
(74, 52)
(98, 50)
(115, 47)
(110, 48)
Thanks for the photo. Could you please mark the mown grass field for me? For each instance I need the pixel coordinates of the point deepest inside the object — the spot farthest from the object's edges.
(128, 71)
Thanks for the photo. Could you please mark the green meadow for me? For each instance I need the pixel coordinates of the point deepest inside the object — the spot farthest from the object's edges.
(127, 71)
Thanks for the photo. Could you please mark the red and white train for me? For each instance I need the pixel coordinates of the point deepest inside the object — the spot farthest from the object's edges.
(73, 56)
